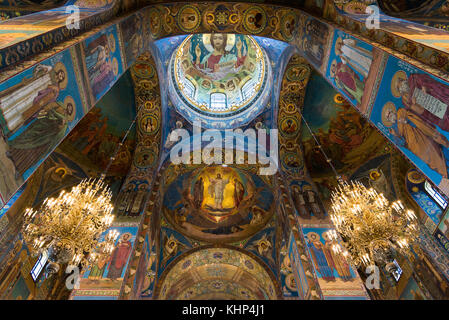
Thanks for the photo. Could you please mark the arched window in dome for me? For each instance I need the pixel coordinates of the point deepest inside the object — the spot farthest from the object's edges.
(435, 195)
(218, 101)
(248, 89)
(189, 88)
(39, 265)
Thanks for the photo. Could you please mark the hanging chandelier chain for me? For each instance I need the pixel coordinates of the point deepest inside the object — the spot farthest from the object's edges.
(69, 226)
(371, 228)
(120, 144)
(328, 159)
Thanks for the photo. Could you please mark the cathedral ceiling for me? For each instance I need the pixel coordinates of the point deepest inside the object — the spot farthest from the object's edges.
(357, 150)
(209, 272)
(222, 94)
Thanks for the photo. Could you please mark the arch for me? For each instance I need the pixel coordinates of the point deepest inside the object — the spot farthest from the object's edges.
(191, 271)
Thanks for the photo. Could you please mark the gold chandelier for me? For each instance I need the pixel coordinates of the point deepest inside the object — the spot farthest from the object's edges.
(372, 229)
(68, 227)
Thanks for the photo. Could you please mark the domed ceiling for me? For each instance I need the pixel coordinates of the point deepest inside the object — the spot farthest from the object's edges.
(217, 273)
(217, 77)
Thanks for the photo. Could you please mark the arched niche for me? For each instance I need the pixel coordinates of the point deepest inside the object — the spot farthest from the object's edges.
(212, 272)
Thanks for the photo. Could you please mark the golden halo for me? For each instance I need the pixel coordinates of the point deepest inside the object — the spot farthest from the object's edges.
(68, 100)
(389, 106)
(339, 40)
(374, 174)
(61, 169)
(398, 75)
(111, 42)
(115, 66)
(326, 236)
(126, 233)
(415, 177)
(313, 233)
(59, 66)
(338, 98)
(149, 105)
(55, 174)
(230, 42)
(333, 64)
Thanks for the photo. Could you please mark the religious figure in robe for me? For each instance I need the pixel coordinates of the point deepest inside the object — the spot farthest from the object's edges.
(19, 103)
(98, 269)
(289, 126)
(418, 136)
(40, 137)
(258, 215)
(216, 190)
(339, 263)
(138, 203)
(358, 58)
(96, 55)
(119, 256)
(220, 62)
(103, 78)
(347, 80)
(316, 248)
(317, 30)
(198, 193)
(123, 199)
(150, 125)
(99, 64)
(314, 44)
(300, 204)
(314, 204)
(95, 136)
(239, 192)
(314, 51)
(425, 96)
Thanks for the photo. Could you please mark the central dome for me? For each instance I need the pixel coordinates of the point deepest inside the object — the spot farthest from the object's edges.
(218, 75)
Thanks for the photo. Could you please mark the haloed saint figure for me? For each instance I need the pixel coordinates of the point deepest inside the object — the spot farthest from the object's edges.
(219, 72)
(219, 61)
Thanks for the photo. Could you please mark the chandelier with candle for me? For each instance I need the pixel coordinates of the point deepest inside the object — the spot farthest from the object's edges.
(373, 230)
(69, 227)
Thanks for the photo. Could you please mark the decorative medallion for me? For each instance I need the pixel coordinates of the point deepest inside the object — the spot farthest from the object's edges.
(154, 22)
(254, 20)
(149, 124)
(189, 18)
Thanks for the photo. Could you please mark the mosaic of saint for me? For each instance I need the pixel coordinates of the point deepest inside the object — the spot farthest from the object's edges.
(218, 203)
(219, 73)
